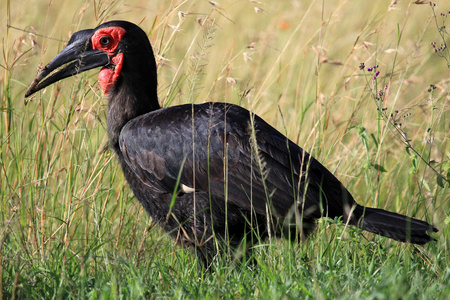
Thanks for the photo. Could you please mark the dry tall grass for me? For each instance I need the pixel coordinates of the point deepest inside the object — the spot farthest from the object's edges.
(295, 63)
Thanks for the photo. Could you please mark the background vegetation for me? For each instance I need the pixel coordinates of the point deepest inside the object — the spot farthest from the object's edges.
(70, 227)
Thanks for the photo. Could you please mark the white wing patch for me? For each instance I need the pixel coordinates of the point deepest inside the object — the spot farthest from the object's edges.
(186, 189)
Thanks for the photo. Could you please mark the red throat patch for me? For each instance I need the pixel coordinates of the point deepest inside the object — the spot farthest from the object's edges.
(108, 75)
(107, 40)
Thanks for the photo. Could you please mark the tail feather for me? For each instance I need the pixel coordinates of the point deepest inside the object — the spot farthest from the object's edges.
(392, 225)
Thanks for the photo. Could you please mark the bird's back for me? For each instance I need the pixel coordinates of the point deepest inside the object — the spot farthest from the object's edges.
(230, 154)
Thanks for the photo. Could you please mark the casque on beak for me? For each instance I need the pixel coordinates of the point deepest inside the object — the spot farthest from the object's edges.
(78, 56)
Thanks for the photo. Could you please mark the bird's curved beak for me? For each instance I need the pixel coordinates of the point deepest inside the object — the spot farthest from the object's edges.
(78, 56)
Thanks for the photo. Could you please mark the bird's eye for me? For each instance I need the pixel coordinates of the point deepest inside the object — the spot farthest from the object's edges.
(105, 40)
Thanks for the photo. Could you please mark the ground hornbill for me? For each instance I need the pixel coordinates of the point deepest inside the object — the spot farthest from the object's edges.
(214, 175)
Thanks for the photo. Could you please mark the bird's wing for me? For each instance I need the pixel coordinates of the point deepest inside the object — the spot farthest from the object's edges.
(231, 154)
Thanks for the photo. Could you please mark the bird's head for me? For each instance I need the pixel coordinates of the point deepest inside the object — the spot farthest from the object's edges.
(119, 47)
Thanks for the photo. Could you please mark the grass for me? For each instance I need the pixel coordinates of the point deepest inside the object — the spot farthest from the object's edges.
(70, 227)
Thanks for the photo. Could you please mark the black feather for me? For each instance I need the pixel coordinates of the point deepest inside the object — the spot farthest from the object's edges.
(232, 175)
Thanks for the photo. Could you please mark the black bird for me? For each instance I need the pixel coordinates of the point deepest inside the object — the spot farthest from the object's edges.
(213, 175)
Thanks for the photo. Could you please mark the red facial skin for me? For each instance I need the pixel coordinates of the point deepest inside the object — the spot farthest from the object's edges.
(107, 40)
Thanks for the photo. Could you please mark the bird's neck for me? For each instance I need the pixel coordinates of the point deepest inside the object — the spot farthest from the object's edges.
(127, 102)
